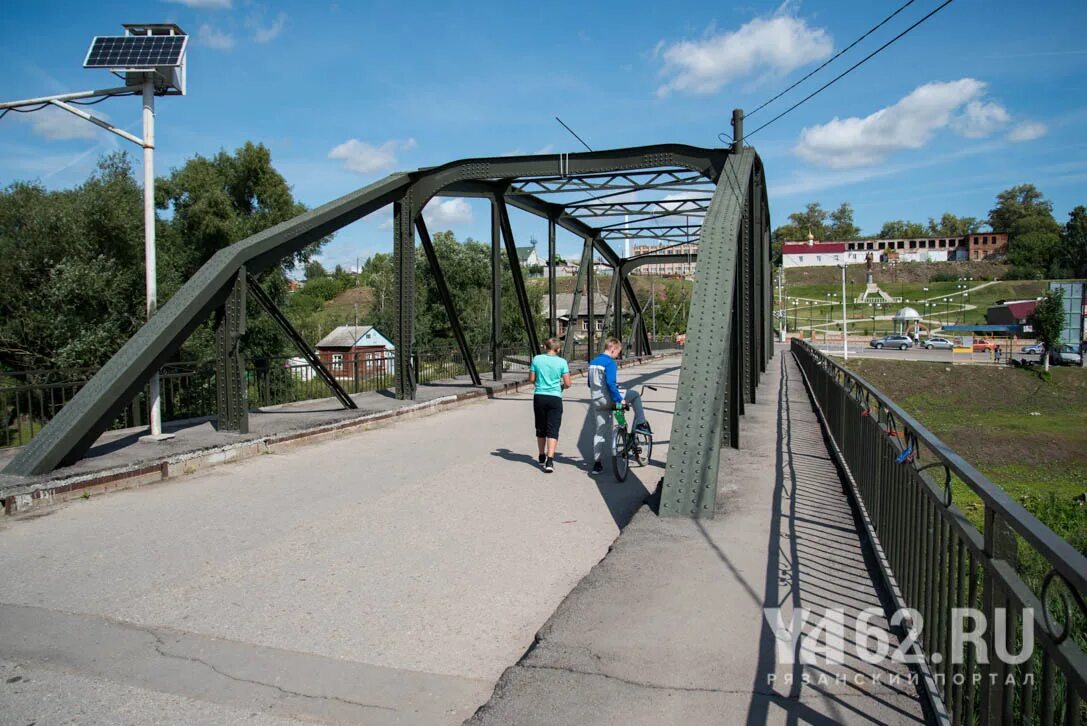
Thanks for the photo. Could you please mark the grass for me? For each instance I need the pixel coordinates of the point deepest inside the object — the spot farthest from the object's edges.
(1027, 436)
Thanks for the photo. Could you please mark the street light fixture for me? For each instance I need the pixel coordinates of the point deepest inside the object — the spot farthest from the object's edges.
(150, 58)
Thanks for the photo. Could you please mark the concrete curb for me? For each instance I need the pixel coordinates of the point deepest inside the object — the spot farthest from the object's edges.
(24, 498)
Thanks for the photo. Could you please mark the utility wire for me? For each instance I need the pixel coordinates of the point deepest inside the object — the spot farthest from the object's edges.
(847, 71)
(573, 132)
(833, 58)
(40, 106)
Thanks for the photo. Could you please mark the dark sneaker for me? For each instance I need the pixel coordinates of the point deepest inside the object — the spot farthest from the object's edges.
(541, 458)
(549, 466)
(598, 468)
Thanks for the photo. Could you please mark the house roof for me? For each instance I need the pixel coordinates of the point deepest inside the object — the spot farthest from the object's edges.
(564, 300)
(1020, 309)
(345, 336)
(524, 252)
(803, 248)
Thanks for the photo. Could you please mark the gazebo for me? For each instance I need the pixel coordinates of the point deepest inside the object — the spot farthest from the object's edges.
(904, 318)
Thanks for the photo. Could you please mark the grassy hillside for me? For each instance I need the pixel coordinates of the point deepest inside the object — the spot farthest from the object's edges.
(1027, 435)
(810, 304)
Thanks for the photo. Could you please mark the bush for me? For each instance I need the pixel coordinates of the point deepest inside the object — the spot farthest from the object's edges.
(1022, 272)
(944, 276)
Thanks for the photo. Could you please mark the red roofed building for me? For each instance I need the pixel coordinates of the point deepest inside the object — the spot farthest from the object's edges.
(1010, 312)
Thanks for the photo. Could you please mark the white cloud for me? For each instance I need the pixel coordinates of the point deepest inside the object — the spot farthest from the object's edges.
(56, 124)
(775, 45)
(214, 4)
(447, 213)
(215, 38)
(1028, 131)
(263, 34)
(981, 119)
(363, 158)
(909, 124)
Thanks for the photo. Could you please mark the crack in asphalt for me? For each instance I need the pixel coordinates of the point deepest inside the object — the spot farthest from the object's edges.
(160, 648)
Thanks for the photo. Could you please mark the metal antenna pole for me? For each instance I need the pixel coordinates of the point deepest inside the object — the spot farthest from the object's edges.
(150, 265)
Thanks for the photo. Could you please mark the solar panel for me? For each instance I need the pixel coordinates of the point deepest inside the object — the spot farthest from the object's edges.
(135, 51)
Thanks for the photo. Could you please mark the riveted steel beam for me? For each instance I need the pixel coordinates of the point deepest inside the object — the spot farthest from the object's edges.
(690, 480)
(229, 366)
(575, 304)
(404, 295)
(519, 290)
(497, 354)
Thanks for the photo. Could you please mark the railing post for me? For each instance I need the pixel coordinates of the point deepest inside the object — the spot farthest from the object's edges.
(229, 370)
(1000, 544)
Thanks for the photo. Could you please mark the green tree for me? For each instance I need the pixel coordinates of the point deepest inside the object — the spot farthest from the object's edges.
(71, 267)
(314, 269)
(1074, 241)
(902, 229)
(842, 227)
(216, 202)
(1048, 322)
(1020, 205)
(951, 226)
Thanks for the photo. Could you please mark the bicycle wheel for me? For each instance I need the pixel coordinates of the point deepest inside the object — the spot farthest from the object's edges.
(620, 464)
(643, 442)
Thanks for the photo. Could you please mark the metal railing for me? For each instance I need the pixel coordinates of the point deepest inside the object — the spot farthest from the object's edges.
(1017, 572)
(30, 399)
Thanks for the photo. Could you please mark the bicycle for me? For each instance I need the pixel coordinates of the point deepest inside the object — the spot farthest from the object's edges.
(629, 444)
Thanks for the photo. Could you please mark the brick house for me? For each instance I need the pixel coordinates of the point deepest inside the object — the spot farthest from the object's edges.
(349, 345)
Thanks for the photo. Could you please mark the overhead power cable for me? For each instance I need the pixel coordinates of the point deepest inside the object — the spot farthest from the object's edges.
(849, 70)
(833, 58)
(573, 132)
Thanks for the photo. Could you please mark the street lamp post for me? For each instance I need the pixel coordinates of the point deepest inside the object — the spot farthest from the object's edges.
(845, 331)
(150, 58)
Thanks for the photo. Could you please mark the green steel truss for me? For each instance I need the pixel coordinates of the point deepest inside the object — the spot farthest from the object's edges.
(570, 191)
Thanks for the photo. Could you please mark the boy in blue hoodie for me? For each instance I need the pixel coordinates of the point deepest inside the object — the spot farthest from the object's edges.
(607, 397)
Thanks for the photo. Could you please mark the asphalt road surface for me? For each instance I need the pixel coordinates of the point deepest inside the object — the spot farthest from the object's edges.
(386, 577)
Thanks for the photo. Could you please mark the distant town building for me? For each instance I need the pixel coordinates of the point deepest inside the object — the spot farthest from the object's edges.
(349, 348)
(682, 267)
(531, 263)
(813, 253)
(565, 300)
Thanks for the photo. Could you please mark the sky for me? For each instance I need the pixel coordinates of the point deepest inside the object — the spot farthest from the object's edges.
(984, 95)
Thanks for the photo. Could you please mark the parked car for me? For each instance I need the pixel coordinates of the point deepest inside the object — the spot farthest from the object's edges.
(892, 341)
(1066, 355)
(1036, 348)
(938, 342)
(981, 344)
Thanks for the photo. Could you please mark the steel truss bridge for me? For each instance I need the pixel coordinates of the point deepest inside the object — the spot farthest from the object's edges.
(668, 193)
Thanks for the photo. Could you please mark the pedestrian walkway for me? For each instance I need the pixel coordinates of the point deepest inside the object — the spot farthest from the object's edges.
(670, 627)
(389, 576)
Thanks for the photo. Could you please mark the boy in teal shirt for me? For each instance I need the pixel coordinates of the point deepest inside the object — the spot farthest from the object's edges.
(551, 374)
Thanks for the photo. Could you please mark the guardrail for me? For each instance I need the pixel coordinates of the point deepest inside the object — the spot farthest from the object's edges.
(30, 399)
(1029, 584)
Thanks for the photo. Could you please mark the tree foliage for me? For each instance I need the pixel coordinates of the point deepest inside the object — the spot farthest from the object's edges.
(1048, 322)
(72, 262)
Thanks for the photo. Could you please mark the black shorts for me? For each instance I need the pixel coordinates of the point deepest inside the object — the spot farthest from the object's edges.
(548, 410)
